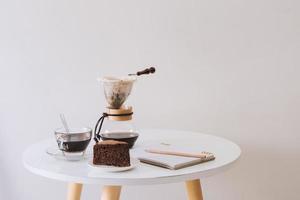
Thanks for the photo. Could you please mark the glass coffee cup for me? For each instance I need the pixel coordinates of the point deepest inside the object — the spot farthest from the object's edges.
(74, 141)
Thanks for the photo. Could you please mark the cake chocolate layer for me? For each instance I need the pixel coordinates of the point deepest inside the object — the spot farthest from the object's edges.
(111, 152)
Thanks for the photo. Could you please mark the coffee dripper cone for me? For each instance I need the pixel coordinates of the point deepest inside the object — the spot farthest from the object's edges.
(117, 90)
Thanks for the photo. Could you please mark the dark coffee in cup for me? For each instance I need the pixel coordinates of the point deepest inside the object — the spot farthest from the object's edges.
(73, 146)
(73, 141)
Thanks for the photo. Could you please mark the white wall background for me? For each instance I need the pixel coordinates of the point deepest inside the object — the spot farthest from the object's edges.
(230, 67)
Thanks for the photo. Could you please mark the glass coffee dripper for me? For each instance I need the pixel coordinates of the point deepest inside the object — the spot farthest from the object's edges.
(117, 90)
(119, 125)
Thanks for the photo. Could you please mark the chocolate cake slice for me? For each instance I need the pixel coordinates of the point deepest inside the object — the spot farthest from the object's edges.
(111, 152)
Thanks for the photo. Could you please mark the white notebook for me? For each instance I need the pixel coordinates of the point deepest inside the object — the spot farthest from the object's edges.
(171, 161)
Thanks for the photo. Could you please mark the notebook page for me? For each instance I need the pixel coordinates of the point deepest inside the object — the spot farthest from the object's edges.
(169, 161)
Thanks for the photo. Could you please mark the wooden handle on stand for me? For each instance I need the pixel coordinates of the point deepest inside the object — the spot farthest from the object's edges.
(150, 70)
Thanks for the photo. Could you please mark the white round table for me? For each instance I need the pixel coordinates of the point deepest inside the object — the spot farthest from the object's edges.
(77, 173)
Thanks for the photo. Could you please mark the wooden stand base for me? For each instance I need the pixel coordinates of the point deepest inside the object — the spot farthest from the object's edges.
(193, 188)
(111, 193)
(74, 191)
(194, 191)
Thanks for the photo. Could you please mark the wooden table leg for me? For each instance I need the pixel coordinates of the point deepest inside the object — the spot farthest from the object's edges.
(74, 191)
(111, 192)
(194, 190)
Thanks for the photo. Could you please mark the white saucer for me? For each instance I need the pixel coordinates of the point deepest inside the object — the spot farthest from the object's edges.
(58, 154)
(133, 163)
